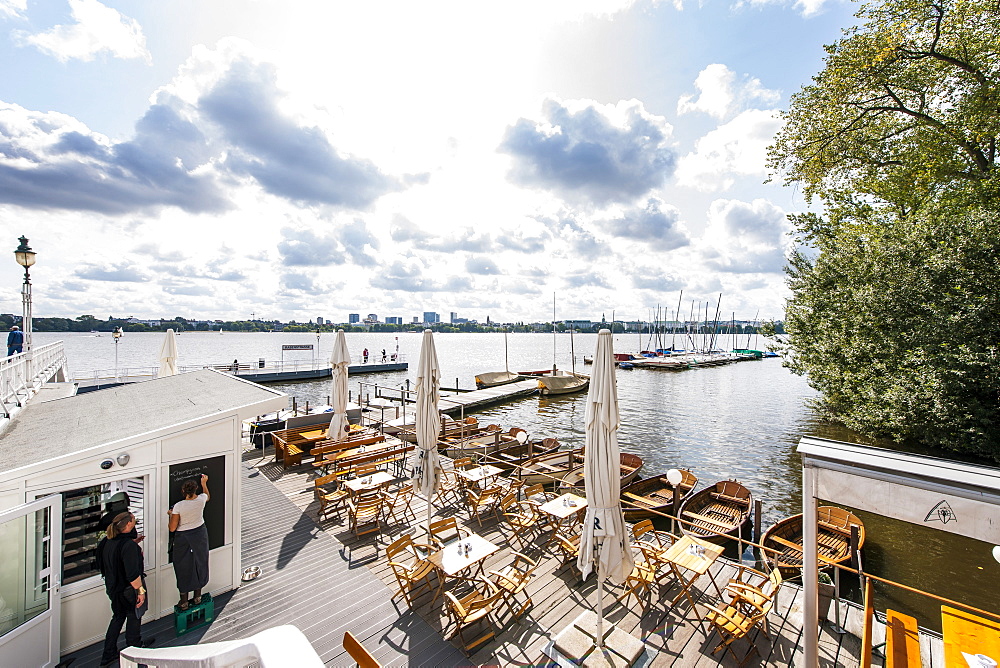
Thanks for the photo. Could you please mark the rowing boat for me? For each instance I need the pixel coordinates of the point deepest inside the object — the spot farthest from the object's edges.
(716, 512)
(629, 465)
(833, 540)
(562, 382)
(517, 454)
(649, 497)
(495, 378)
(550, 468)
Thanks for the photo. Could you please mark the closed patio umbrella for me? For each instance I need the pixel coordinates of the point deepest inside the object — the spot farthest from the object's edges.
(340, 359)
(427, 472)
(604, 526)
(168, 355)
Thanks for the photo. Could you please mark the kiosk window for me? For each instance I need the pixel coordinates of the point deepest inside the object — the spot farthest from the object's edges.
(82, 511)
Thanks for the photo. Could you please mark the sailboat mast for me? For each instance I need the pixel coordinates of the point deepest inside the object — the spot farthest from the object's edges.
(676, 316)
(755, 320)
(506, 357)
(553, 333)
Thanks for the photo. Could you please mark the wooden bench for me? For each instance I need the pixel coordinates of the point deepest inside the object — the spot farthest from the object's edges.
(291, 455)
(326, 447)
(643, 499)
(902, 641)
(704, 518)
(390, 456)
(734, 499)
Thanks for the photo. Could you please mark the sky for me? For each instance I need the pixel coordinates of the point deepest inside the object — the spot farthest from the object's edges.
(301, 158)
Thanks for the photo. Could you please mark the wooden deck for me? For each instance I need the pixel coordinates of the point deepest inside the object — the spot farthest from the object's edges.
(674, 636)
(467, 401)
(310, 581)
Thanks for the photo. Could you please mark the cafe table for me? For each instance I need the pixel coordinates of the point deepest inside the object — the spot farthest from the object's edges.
(695, 556)
(562, 508)
(453, 558)
(479, 473)
(368, 483)
(967, 634)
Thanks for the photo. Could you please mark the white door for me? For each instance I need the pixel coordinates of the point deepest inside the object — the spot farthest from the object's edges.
(30, 572)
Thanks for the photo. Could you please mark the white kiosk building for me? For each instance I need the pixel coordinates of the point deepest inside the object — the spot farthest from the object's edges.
(61, 461)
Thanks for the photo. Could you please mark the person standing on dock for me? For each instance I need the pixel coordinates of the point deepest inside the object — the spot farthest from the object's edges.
(15, 341)
(365, 355)
(187, 523)
(383, 354)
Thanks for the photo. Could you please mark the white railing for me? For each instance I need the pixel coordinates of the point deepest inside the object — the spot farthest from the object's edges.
(21, 375)
(149, 372)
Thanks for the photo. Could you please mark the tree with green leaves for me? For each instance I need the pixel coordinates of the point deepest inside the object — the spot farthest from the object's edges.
(895, 308)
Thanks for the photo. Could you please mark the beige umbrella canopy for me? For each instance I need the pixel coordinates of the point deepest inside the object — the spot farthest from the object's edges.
(427, 472)
(340, 359)
(168, 355)
(604, 526)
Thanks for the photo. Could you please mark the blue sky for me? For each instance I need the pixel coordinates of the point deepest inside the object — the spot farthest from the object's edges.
(303, 159)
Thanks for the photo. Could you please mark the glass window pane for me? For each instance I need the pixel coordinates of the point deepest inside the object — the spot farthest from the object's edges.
(24, 544)
(82, 511)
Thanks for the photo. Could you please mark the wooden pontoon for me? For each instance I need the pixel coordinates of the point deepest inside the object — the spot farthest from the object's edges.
(723, 508)
(645, 498)
(833, 539)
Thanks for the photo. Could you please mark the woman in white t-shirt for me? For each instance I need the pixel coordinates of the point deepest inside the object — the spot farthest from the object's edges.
(187, 522)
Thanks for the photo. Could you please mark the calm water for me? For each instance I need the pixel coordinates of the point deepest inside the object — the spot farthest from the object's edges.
(739, 421)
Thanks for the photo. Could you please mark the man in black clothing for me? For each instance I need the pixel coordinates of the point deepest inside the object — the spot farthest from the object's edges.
(121, 565)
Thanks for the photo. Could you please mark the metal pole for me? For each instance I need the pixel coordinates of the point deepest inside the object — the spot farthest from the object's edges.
(810, 572)
(757, 505)
(600, 604)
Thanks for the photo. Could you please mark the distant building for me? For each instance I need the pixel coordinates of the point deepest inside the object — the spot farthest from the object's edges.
(393, 320)
(430, 317)
(453, 318)
(416, 320)
(353, 318)
(578, 324)
(319, 321)
(372, 317)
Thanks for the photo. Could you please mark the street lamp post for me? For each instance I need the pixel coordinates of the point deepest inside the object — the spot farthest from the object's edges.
(26, 258)
(117, 336)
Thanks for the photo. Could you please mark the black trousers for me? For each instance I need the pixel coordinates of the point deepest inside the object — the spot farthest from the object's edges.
(122, 614)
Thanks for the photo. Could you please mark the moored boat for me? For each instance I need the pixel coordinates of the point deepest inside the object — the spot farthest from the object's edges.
(647, 497)
(496, 378)
(717, 511)
(629, 465)
(517, 454)
(833, 539)
(550, 468)
(562, 382)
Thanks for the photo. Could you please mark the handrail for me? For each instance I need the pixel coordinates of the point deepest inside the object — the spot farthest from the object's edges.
(21, 375)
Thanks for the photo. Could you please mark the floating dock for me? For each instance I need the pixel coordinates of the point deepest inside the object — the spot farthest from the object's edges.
(470, 401)
(266, 375)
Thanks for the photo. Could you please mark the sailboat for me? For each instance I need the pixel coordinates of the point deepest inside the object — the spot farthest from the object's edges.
(561, 382)
(495, 378)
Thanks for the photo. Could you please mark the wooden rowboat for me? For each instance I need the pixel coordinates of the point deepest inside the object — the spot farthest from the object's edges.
(629, 465)
(645, 498)
(723, 508)
(495, 378)
(517, 454)
(562, 382)
(833, 539)
(550, 468)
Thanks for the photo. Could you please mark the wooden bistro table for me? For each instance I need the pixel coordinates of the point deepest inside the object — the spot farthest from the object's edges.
(451, 561)
(685, 554)
(479, 474)
(970, 634)
(368, 482)
(561, 508)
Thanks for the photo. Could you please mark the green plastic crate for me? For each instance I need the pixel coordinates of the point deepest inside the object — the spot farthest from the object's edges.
(195, 616)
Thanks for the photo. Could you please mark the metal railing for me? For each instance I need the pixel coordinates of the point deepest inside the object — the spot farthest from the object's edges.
(22, 375)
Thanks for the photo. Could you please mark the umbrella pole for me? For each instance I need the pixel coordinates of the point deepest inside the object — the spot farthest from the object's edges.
(600, 603)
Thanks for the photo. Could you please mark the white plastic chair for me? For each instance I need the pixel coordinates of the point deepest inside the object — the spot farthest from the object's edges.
(280, 646)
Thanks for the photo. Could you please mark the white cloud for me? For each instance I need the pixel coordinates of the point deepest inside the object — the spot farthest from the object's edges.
(13, 8)
(737, 148)
(807, 7)
(745, 237)
(720, 93)
(98, 29)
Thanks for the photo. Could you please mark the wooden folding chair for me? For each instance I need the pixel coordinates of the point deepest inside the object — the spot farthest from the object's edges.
(397, 504)
(483, 502)
(365, 513)
(512, 580)
(472, 608)
(362, 656)
(409, 567)
(331, 495)
(440, 529)
(521, 516)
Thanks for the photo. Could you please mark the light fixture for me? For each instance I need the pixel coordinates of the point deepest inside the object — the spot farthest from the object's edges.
(996, 552)
(25, 256)
(674, 477)
(123, 459)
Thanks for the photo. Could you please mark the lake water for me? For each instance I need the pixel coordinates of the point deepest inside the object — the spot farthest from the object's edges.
(738, 421)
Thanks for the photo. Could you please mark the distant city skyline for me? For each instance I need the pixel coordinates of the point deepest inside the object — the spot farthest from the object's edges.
(303, 158)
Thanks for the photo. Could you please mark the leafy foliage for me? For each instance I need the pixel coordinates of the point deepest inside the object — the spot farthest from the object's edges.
(895, 313)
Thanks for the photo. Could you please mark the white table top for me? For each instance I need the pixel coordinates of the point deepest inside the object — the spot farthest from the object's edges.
(368, 482)
(559, 508)
(451, 561)
(480, 473)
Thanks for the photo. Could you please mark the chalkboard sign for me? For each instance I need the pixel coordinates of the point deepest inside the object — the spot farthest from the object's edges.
(215, 509)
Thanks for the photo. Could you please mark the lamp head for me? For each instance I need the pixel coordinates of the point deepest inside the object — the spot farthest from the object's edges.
(996, 552)
(25, 256)
(674, 477)
(117, 333)
(521, 437)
